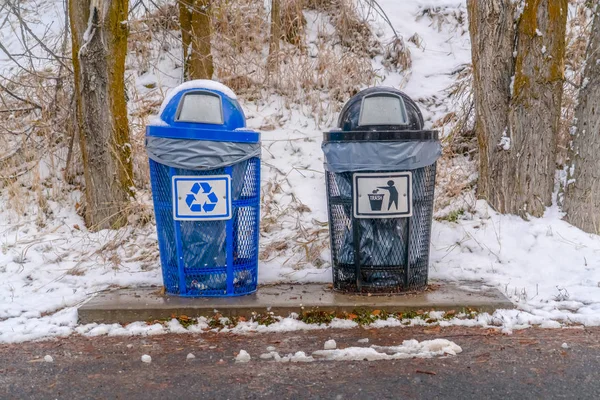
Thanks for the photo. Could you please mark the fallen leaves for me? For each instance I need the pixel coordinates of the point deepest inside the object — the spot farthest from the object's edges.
(420, 371)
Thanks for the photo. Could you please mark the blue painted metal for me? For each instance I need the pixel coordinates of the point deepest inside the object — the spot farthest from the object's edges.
(238, 136)
(229, 240)
(208, 258)
(179, 247)
(232, 130)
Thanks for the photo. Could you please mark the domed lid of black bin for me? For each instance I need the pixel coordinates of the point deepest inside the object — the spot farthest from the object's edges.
(380, 113)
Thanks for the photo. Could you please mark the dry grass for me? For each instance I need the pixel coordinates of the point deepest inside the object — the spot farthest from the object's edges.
(457, 168)
(309, 238)
(444, 16)
(316, 73)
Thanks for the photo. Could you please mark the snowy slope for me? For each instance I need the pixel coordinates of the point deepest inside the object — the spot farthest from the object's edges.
(444, 45)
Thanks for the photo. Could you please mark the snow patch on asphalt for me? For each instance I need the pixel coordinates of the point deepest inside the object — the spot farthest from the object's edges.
(243, 357)
(408, 349)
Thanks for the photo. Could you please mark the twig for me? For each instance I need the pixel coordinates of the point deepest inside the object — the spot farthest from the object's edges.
(17, 97)
(40, 42)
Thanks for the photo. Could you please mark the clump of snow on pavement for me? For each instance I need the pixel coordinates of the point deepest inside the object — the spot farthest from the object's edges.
(243, 357)
(408, 349)
(190, 356)
(297, 357)
(48, 359)
(330, 345)
(146, 359)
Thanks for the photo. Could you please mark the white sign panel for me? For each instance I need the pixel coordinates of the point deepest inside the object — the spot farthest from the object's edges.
(206, 198)
(382, 195)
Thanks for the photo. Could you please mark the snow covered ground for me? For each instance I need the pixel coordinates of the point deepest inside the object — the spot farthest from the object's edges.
(548, 268)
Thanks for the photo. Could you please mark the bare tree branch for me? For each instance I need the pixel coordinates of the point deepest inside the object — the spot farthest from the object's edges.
(15, 96)
(26, 27)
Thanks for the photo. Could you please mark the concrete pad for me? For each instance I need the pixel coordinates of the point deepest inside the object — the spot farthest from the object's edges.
(129, 305)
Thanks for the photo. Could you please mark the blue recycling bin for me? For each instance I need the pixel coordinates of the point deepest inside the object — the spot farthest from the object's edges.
(205, 176)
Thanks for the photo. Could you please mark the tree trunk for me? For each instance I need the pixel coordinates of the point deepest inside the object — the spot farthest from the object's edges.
(492, 29)
(517, 131)
(196, 35)
(273, 61)
(535, 107)
(99, 43)
(185, 21)
(582, 194)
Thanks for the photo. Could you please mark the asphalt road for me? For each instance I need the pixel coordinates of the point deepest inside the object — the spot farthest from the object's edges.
(529, 364)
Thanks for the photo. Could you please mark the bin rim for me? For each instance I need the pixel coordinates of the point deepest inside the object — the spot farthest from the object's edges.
(381, 136)
(215, 135)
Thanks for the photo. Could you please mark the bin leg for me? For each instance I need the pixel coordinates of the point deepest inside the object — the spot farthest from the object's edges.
(356, 233)
(229, 241)
(407, 253)
(179, 247)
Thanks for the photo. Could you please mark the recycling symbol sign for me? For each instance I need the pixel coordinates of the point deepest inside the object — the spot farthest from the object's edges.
(201, 197)
(192, 200)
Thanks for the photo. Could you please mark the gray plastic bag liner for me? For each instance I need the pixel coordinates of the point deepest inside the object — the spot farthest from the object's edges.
(199, 155)
(380, 155)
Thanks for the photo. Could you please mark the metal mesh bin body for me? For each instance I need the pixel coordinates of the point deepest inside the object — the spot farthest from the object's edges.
(380, 168)
(211, 258)
(205, 176)
(380, 255)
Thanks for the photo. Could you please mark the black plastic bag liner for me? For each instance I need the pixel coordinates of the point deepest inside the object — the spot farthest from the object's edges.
(199, 155)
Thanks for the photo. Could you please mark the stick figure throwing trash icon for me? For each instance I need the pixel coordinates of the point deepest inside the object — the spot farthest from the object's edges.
(393, 194)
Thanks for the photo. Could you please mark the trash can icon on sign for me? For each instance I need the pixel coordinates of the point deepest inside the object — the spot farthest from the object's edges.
(376, 200)
(382, 195)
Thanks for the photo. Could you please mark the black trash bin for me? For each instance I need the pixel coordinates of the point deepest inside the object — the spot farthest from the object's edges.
(380, 174)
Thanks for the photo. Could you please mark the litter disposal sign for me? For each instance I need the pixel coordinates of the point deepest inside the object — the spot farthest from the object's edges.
(382, 195)
(206, 198)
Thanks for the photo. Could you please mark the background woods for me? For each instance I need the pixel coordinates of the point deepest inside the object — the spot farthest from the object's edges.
(109, 69)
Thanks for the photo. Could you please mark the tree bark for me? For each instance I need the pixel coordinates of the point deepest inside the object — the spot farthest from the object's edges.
(492, 29)
(99, 45)
(273, 61)
(582, 192)
(517, 128)
(196, 36)
(185, 21)
(535, 107)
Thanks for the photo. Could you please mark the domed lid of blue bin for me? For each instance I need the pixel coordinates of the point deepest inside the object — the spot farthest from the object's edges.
(202, 110)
